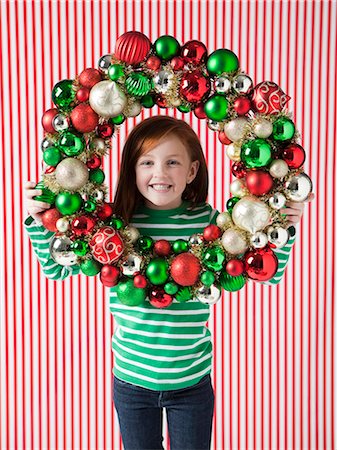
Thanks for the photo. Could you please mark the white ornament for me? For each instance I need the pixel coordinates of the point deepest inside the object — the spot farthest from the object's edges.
(233, 152)
(263, 128)
(278, 168)
(62, 224)
(71, 174)
(134, 109)
(132, 233)
(107, 99)
(223, 219)
(236, 129)
(234, 242)
(238, 188)
(251, 214)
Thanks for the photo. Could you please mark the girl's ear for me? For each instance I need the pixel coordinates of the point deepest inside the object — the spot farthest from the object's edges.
(193, 171)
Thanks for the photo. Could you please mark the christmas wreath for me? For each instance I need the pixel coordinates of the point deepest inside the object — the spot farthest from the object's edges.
(260, 138)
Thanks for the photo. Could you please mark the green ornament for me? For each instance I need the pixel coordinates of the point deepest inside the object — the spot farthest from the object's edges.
(171, 288)
(180, 246)
(213, 258)
(90, 267)
(216, 107)
(71, 144)
(231, 202)
(129, 295)
(184, 294)
(89, 206)
(144, 244)
(52, 156)
(256, 153)
(166, 47)
(116, 223)
(283, 129)
(115, 71)
(63, 94)
(157, 271)
(184, 108)
(207, 278)
(80, 248)
(68, 203)
(96, 176)
(118, 120)
(138, 85)
(46, 196)
(230, 283)
(147, 101)
(222, 61)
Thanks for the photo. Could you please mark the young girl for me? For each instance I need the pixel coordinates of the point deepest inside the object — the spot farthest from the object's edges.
(163, 357)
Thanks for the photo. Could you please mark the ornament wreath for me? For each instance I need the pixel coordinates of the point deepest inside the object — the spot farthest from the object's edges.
(260, 138)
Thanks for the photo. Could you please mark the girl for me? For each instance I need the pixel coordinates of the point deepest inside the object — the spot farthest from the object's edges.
(163, 357)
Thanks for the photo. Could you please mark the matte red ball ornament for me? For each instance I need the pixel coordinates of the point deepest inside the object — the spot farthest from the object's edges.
(223, 138)
(82, 94)
(49, 219)
(268, 98)
(259, 182)
(235, 267)
(153, 63)
(132, 47)
(294, 155)
(139, 281)
(199, 111)
(185, 269)
(105, 130)
(84, 118)
(107, 245)
(47, 120)
(194, 86)
(104, 211)
(212, 232)
(162, 247)
(94, 162)
(261, 264)
(89, 77)
(239, 169)
(82, 225)
(194, 52)
(177, 63)
(109, 275)
(242, 105)
(159, 299)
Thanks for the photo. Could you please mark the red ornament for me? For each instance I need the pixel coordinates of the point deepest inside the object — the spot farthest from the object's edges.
(94, 162)
(162, 247)
(50, 169)
(132, 47)
(139, 281)
(105, 130)
(153, 63)
(82, 225)
(294, 156)
(194, 52)
(82, 94)
(185, 269)
(235, 267)
(268, 98)
(47, 120)
(49, 219)
(223, 138)
(259, 182)
(242, 105)
(104, 211)
(261, 264)
(194, 86)
(107, 245)
(199, 111)
(212, 232)
(159, 299)
(239, 169)
(177, 63)
(109, 275)
(160, 101)
(89, 77)
(84, 118)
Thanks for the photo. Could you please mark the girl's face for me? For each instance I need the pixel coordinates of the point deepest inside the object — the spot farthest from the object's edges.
(163, 172)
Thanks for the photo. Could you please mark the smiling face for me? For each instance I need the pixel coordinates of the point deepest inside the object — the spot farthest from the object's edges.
(163, 173)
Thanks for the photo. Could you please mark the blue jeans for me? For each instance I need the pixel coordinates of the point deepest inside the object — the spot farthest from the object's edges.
(189, 415)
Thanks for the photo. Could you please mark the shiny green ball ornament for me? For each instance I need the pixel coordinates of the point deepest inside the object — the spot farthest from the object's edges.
(90, 267)
(166, 47)
(96, 176)
(147, 101)
(52, 156)
(80, 248)
(171, 288)
(115, 72)
(157, 271)
(47, 196)
(129, 295)
(222, 61)
(138, 85)
(231, 202)
(213, 258)
(283, 129)
(184, 108)
(180, 246)
(116, 223)
(118, 120)
(207, 278)
(63, 94)
(256, 153)
(144, 244)
(230, 283)
(70, 144)
(184, 294)
(68, 203)
(216, 107)
(89, 206)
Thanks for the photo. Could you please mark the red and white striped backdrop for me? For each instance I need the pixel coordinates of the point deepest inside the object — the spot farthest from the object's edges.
(274, 348)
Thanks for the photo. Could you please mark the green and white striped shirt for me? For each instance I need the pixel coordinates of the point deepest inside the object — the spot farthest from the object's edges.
(158, 349)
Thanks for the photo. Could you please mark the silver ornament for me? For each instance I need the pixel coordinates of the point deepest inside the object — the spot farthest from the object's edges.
(104, 63)
(60, 250)
(107, 99)
(131, 265)
(222, 84)
(131, 233)
(236, 129)
(62, 224)
(213, 125)
(277, 200)
(263, 128)
(233, 151)
(238, 188)
(97, 144)
(278, 236)
(208, 294)
(251, 214)
(278, 168)
(298, 187)
(71, 174)
(259, 239)
(234, 242)
(60, 122)
(242, 84)
(134, 109)
(195, 239)
(162, 81)
(223, 219)
(47, 143)
(97, 195)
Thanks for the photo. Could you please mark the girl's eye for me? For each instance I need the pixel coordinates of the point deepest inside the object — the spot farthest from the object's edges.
(145, 163)
(173, 161)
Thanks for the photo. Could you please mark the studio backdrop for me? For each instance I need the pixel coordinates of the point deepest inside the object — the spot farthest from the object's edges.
(274, 361)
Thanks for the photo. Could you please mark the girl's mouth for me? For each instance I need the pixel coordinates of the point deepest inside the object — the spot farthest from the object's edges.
(161, 187)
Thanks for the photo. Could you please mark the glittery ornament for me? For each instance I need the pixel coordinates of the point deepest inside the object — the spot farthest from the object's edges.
(89, 77)
(84, 118)
(129, 295)
(278, 168)
(159, 298)
(223, 219)
(71, 174)
(263, 128)
(49, 219)
(162, 247)
(235, 129)
(90, 267)
(185, 269)
(234, 242)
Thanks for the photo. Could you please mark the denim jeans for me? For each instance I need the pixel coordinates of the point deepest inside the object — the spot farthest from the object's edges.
(189, 415)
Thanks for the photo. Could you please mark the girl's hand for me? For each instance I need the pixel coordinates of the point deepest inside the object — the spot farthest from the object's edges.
(294, 210)
(35, 208)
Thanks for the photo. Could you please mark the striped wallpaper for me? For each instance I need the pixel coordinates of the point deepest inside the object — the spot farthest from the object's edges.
(274, 347)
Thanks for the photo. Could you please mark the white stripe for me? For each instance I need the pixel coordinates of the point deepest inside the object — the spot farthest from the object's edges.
(164, 335)
(158, 323)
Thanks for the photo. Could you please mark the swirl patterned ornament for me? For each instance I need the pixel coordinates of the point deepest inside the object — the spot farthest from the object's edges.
(251, 121)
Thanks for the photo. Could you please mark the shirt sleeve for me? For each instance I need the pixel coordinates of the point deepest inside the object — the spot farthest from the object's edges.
(40, 238)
